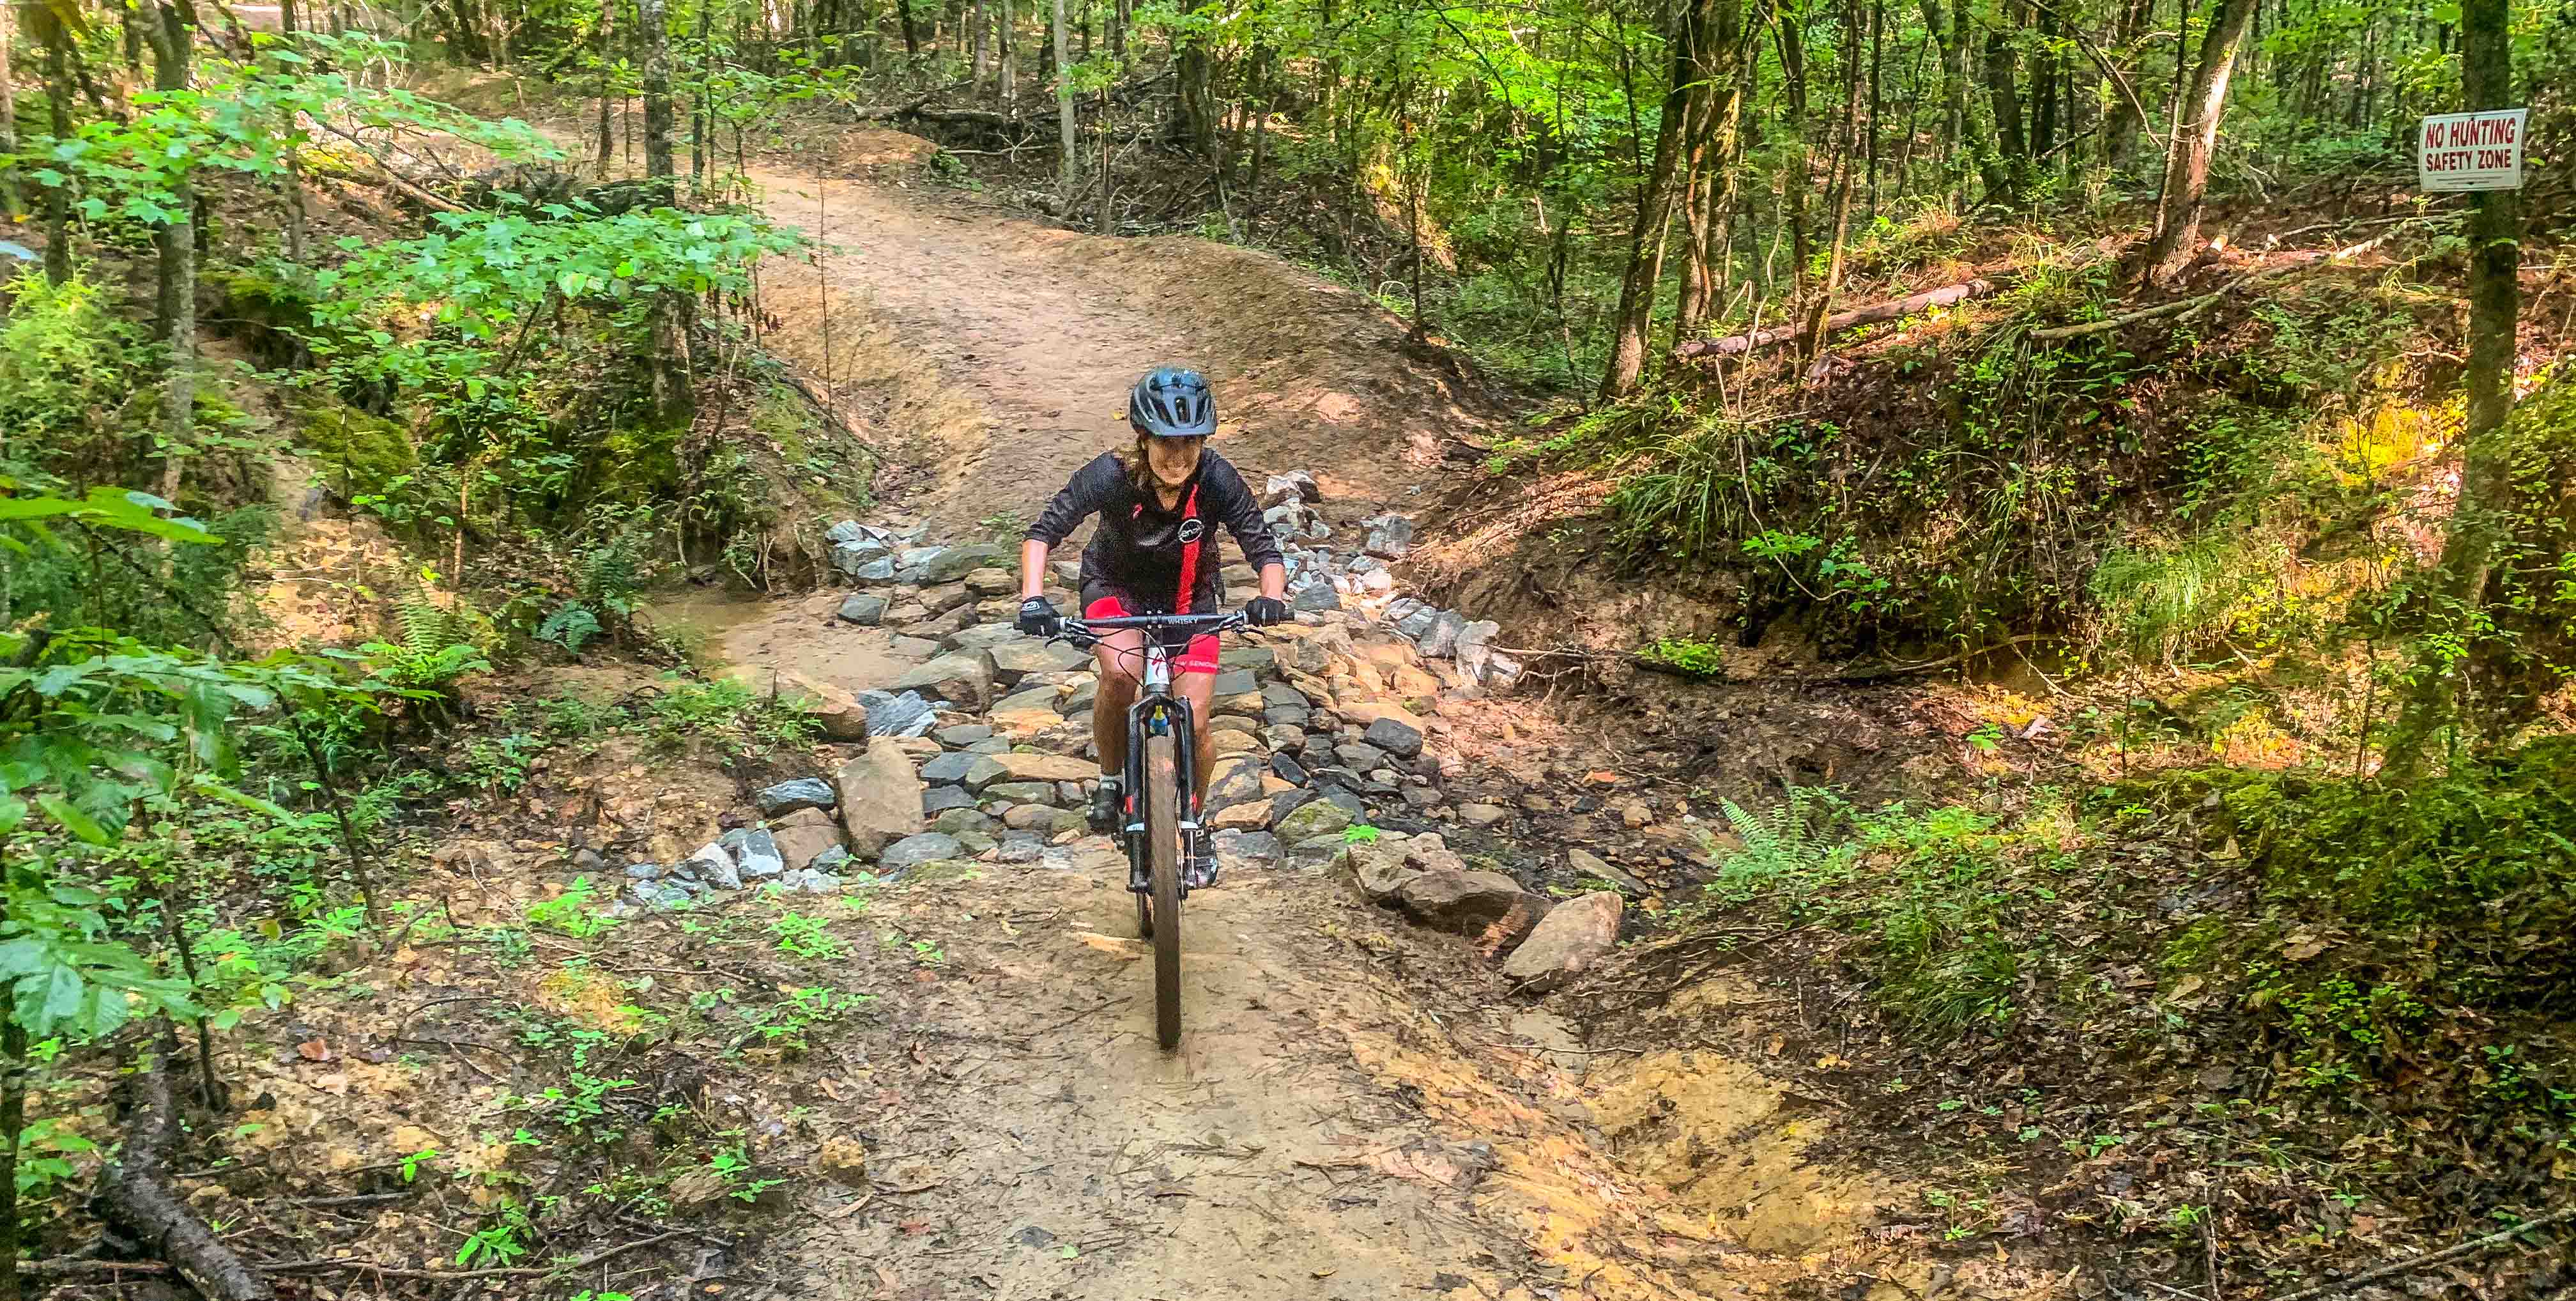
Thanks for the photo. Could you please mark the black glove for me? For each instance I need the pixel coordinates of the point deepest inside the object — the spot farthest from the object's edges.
(1039, 619)
(1263, 611)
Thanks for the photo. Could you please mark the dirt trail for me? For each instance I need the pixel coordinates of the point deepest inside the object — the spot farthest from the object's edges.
(1357, 1111)
(1003, 350)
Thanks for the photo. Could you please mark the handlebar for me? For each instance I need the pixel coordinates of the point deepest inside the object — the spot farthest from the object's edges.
(1084, 632)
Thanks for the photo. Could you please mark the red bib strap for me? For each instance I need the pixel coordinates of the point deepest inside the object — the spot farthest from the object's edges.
(1189, 551)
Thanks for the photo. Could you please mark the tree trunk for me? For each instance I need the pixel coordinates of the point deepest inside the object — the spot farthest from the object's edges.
(607, 83)
(2483, 516)
(1107, 218)
(1721, 96)
(2005, 177)
(176, 242)
(10, 195)
(1877, 56)
(2187, 173)
(58, 106)
(979, 23)
(13, 1118)
(700, 103)
(653, 30)
(1845, 175)
(2043, 86)
(911, 29)
(1952, 37)
(1068, 159)
(1793, 81)
(1198, 98)
(1010, 60)
(1635, 316)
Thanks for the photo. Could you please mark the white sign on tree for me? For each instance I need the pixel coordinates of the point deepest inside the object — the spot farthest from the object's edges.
(2471, 151)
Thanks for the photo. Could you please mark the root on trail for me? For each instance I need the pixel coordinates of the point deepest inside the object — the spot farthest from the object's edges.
(139, 1198)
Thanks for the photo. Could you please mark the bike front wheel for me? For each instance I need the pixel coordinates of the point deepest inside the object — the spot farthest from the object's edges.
(1162, 796)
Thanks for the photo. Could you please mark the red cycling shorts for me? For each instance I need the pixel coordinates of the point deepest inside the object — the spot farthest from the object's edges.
(1198, 657)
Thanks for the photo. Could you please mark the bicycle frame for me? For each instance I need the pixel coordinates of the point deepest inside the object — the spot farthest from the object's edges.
(1157, 711)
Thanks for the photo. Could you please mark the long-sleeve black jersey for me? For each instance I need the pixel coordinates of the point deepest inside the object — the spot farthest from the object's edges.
(1137, 549)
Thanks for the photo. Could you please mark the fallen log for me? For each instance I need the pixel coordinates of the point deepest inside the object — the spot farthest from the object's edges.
(1737, 345)
(2187, 306)
(140, 1201)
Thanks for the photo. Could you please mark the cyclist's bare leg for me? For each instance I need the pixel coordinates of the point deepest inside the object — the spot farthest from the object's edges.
(1122, 656)
(1200, 690)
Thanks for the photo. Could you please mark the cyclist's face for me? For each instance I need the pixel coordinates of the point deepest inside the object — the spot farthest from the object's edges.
(1173, 460)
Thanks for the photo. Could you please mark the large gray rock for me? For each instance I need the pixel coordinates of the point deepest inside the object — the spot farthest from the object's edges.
(1235, 781)
(1024, 792)
(1255, 658)
(916, 557)
(1442, 637)
(897, 715)
(1236, 849)
(1027, 655)
(972, 771)
(1315, 598)
(940, 799)
(1313, 855)
(955, 563)
(957, 822)
(1078, 700)
(1389, 535)
(864, 609)
(961, 734)
(1395, 736)
(848, 530)
(880, 797)
(851, 557)
(713, 864)
(788, 796)
(1574, 935)
(1235, 683)
(879, 570)
(1380, 868)
(963, 678)
(915, 850)
(1296, 485)
(983, 636)
(940, 599)
(1019, 701)
(1359, 756)
(1475, 650)
(755, 853)
(1320, 818)
(1489, 908)
(1412, 624)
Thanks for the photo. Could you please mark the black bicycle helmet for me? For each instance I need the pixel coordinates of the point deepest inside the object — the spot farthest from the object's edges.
(1172, 402)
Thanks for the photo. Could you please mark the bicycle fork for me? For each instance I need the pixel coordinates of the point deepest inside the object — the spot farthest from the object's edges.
(1154, 717)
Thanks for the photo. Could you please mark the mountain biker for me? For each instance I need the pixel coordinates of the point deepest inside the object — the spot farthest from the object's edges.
(1149, 556)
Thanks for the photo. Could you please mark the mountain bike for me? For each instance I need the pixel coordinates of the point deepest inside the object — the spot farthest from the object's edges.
(1160, 825)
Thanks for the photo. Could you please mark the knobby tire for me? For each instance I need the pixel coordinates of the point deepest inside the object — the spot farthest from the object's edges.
(1162, 797)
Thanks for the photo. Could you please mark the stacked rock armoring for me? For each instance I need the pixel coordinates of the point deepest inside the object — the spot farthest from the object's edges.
(980, 750)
